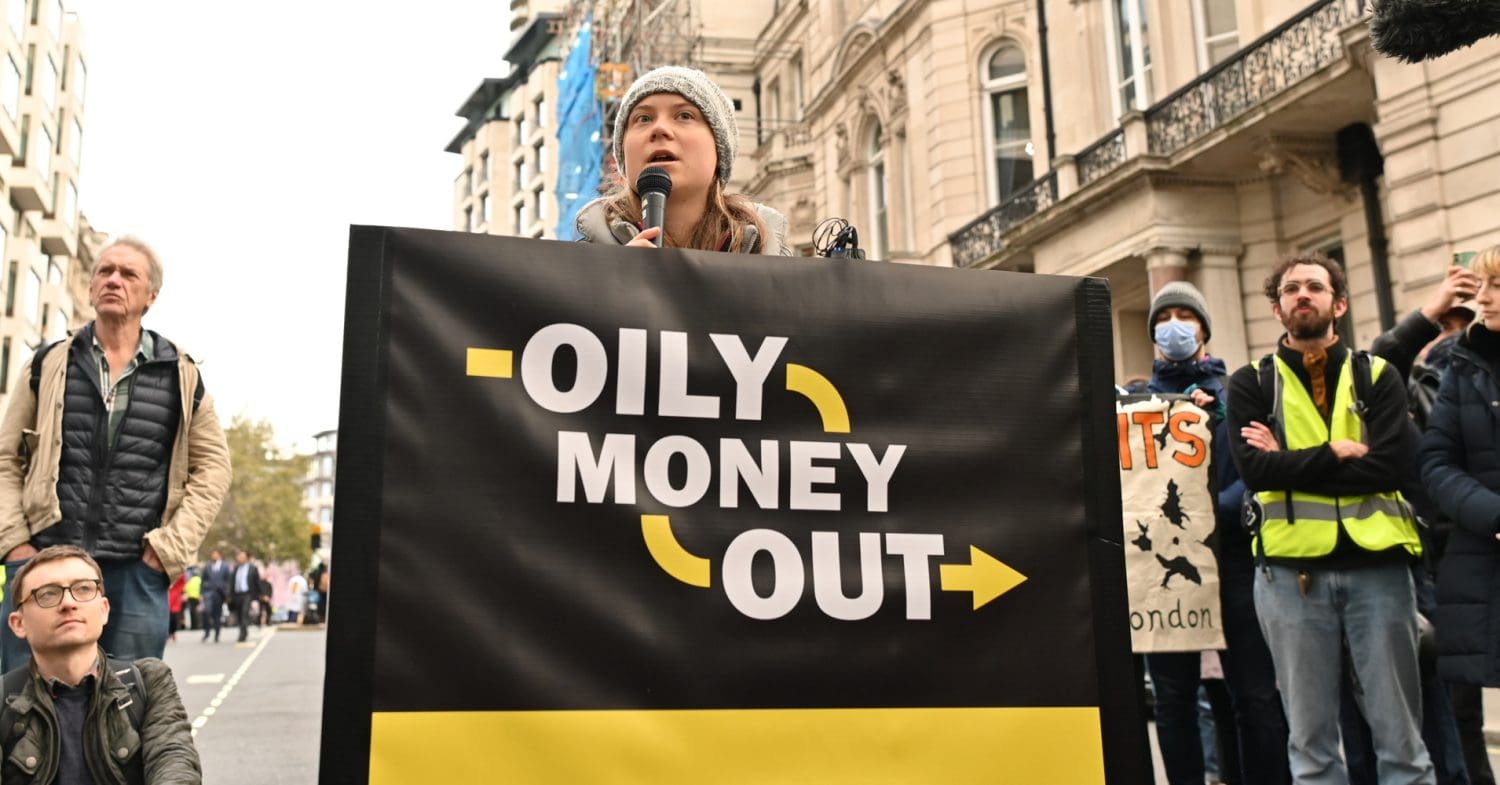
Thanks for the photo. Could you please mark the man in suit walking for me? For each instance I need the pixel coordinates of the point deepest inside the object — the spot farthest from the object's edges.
(246, 589)
(217, 575)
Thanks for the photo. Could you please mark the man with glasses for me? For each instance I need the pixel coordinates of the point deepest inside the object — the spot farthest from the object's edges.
(61, 725)
(113, 445)
(1319, 433)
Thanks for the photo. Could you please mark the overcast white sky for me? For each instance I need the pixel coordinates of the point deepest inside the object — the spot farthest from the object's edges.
(242, 139)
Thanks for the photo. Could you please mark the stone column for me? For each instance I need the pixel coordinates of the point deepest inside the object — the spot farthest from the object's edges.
(1218, 278)
(1164, 265)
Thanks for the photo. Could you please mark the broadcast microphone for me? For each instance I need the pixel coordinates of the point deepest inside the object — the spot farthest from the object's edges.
(654, 185)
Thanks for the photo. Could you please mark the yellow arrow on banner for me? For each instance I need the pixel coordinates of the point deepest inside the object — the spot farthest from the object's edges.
(984, 575)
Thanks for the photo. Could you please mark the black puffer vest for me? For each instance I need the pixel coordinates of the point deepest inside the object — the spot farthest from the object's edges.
(110, 497)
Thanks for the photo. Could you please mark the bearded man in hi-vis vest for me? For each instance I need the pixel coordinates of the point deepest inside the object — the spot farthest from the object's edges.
(1322, 440)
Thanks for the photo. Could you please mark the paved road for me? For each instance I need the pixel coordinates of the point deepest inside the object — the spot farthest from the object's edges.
(256, 706)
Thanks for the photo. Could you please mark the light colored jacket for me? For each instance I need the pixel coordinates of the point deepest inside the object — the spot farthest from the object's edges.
(594, 227)
(197, 479)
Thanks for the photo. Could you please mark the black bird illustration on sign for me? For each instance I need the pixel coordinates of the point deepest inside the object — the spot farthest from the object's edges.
(1179, 566)
(1144, 541)
(1172, 507)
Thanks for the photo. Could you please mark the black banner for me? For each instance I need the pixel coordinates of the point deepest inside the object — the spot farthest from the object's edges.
(609, 515)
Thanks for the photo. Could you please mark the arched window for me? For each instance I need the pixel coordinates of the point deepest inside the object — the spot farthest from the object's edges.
(1008, 119)
(879, 194)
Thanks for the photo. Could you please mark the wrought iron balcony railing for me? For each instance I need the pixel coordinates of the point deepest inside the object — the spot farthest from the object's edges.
(1303, 45)
(1099, 158)
(981, 237)
(1280, 59)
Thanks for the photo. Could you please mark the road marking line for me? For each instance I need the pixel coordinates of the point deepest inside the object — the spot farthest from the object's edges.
(202, 719)
(205, 678)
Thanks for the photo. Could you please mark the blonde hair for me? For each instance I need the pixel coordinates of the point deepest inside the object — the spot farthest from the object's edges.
(723, 214)
(1487, 263)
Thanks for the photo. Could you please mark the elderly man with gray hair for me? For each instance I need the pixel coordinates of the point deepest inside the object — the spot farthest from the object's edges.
(112, 445)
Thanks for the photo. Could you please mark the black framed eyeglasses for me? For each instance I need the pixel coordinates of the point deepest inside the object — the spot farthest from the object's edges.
(86, 590)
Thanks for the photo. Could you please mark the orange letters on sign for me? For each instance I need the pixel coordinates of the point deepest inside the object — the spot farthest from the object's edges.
(1175, 425)
(1123, 424)
(1148, 421)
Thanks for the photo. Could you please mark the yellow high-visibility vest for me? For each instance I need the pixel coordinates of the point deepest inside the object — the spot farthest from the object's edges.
(1302, 525)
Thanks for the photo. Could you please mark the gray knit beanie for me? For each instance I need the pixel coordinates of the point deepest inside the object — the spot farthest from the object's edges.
(694, 85)
(1179, 294)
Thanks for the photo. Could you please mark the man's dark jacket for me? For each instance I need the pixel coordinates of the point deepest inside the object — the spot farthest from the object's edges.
(161, 753)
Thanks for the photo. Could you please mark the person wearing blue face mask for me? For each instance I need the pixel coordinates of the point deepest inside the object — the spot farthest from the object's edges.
(1180, 328)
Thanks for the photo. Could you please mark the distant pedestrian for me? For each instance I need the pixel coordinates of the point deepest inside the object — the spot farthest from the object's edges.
(263, 615)
(174, 606)
(192, 596)
(111, 442)
(296, 601)
(246, 589)
(217, 578)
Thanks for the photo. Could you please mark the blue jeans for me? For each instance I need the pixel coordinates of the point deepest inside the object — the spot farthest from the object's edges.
(1374, 609)
(138, 613)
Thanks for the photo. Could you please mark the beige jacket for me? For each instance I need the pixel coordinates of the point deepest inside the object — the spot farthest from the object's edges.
(197, 479)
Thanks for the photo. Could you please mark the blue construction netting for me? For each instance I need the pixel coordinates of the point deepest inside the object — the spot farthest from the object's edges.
(580, 128)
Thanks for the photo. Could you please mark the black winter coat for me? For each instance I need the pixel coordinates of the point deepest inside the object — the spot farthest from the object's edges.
(1460, 459)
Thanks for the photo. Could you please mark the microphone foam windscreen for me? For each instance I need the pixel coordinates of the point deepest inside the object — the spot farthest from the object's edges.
(654, 178)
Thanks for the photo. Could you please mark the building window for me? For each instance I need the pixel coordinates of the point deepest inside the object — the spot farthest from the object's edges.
(16, 13)
(879, 192)
(5, 366)
(1130, 62)
(33, 299)
(10, 288)
(75, 144)
(43, 151)
(1008, 118)
(541, 204)
(538, 154)
(55, 270)
(468, 180)
(48, 86)
(325, 515)
(1217, 30)
(484, 209)
(522, 130)
(468, 219)
(10, 87)
(773, 106)
(539, 111)
(523, 174)
(796, 75)
(484, 167)
(70, 204)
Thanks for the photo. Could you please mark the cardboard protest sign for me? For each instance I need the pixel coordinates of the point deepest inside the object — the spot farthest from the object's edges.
(1169, 524)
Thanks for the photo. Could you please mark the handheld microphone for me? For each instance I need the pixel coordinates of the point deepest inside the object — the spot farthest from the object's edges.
(654, 185)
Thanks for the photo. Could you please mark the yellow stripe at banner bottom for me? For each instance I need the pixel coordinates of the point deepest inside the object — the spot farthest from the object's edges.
(962, 746)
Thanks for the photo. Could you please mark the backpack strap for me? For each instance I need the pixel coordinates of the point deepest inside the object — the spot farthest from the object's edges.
(36, 366)
(130, 675)
(1363, 381)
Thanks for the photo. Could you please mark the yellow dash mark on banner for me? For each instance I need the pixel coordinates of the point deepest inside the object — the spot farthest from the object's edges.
(671, 556)
(495, 363)
(816, 388)
(954, 746)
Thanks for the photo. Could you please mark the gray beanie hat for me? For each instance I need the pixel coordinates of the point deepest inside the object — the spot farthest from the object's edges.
(1179, 294)
(694, 85)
